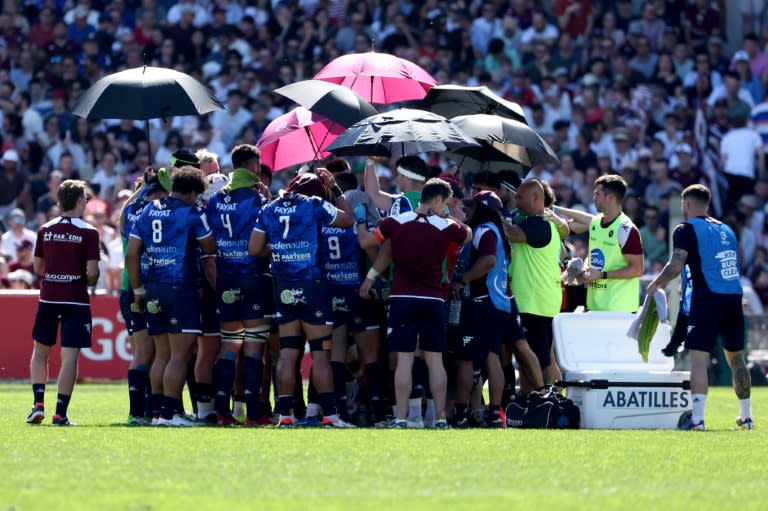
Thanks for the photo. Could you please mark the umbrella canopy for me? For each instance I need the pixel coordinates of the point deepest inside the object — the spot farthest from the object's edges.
(339, 104)
(454, 100)
(145, 93)
(296, 137)
(484, 157)
(378, 77)
(513, 138)
(400, 132)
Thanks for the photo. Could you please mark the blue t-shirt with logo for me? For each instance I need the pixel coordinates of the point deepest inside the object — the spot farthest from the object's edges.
(340, 256)
(292, 225)
(169, 229)
(231, 214)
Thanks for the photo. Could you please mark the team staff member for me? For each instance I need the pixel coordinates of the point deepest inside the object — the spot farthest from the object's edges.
(420, 241)
(615, 250)
(485, 314)
(291, 225)
(412, 173)
(711, 251)
(244, 292)
(66, 260)
(535, 272)
(168, 231)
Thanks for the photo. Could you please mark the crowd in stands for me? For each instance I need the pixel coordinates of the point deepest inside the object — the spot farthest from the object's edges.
(644, 89)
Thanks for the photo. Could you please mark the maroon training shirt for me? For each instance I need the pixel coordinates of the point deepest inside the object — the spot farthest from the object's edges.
(66, 244)
(419, 246)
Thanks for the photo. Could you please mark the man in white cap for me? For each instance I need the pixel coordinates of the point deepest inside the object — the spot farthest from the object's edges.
(17, 233)
(14, 187)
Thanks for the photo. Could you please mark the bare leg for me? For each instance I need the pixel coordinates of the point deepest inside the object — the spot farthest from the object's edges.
(176, 370)
(403, 383)
(38, 365)
(438, 381)
(742, 383)
(68, 372)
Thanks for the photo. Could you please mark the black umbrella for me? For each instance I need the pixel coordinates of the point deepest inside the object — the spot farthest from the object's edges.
(398, 133)
(144, 93)
(454, 100)
(335, 102)
(512, 138)
(484, 157)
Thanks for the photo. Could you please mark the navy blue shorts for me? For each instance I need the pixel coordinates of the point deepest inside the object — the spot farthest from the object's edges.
(482, 327)
(351, 310)
(75, 323)
(712, 315)
(417, 321)
(135, 321)
(173, 309)
(538, 331)
(209, 311)
(244, 298)
(514, 330)
(304, 300)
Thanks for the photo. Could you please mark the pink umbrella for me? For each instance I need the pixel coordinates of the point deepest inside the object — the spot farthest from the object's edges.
(378, 77)
(296, 137)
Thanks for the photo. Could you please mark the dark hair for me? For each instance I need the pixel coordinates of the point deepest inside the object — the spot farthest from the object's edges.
(434, 188)
(266, 171)
(614, 185)
(337, 166)
(185, 158)
(483, 214)
(699, 194)
(346, 181)
(510, 176)
(187, 179)
(414, 164)
(70, 190)
(244, 154)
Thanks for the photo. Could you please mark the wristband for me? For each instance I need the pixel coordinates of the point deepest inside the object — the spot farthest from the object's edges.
(369, 162)
(336, 189)
(372, 274)
(139, 291)
(605, 274)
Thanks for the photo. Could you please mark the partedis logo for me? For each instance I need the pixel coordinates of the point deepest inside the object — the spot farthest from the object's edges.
(68, 238)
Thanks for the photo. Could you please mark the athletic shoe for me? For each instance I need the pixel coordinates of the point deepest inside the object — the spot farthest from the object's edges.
(286, 421)
(258, 423)
(399, 424)
(308, 422)
(226, 420)
(689, 425)
(58, 420)
(382, 424)
(37, 415)
(497, 421)
(334, 421)
(442, 424)
(209, 419)
(178, 421)
(416, 423)
(746, 424)
(155, 419)
(137, 421)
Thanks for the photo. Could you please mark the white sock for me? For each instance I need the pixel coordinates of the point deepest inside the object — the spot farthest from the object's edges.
(414, 408)
(699, 403)
(745, 408)
(430, 413)
(204, 409)
(313, 409)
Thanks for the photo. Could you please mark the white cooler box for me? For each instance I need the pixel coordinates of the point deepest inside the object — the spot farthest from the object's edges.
(605, 376)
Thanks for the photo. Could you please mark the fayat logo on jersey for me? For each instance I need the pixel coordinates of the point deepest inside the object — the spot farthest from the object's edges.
(596, 259)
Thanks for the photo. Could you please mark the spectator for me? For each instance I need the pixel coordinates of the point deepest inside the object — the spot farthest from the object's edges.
(685, 173)
(653, 236)
(738, 148)
(540, 31)
(231, 120)
(14, 185)
(484, 28)
(660, 185)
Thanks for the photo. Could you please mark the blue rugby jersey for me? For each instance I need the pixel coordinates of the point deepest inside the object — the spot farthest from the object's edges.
(340, 256)
(169, 229)
(292, 226)
(231, 215)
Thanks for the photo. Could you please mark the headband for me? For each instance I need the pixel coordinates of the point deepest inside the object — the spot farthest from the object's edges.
(411, 175)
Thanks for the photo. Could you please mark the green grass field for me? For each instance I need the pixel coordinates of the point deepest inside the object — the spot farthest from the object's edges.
(102, 465)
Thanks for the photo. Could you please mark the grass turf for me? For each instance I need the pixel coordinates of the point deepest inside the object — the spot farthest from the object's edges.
(103, 465)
